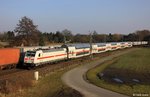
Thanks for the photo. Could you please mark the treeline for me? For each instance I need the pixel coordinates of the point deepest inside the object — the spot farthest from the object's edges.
(27, 34)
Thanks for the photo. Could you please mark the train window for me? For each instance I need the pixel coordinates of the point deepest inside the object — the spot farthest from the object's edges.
(30, 54)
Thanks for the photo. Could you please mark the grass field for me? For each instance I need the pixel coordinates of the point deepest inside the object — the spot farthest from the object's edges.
(48, 86)
(133, 65)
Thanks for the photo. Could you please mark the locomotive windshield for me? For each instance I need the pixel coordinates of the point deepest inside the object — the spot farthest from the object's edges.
(30, 53)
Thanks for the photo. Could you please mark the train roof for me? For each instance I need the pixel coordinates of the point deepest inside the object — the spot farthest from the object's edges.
(78, 45)
(87, 45)
(100, 44)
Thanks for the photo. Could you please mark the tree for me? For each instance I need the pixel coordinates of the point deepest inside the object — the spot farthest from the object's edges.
(7, 37)
(95, 37)
(41, 40)
(142, 34)
(59, 36)
(78, 38)
(116, 37)
(130, 37)
(110, 38)
(81, 38)
(67, 35)
(147, 38)
(27, 31)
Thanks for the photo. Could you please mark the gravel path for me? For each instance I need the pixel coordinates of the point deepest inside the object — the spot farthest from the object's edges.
(75, 79)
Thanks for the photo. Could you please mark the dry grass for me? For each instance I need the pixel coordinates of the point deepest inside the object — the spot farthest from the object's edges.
(48, 86)
(8, 86)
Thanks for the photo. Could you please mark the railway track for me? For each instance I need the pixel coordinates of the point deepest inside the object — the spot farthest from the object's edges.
(8, 71)
(5, 74)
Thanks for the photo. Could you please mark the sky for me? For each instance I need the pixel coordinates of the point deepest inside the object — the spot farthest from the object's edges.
(79, 16)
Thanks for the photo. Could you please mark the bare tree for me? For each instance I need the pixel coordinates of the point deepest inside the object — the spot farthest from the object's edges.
(67, 35)
(142, 34)
(27, 31)
(116, 37)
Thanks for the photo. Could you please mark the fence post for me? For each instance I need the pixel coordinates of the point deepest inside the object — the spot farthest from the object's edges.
(36, 75)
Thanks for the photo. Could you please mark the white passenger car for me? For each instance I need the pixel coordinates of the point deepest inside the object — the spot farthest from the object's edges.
(69, 51)
(114, 46)
(77, 50)
(101, 47)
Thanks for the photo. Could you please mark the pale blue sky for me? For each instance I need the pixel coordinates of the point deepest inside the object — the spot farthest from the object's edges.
(79, 16)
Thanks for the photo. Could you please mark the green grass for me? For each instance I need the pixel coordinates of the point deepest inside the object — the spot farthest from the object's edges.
(137, 61)
(133, 64)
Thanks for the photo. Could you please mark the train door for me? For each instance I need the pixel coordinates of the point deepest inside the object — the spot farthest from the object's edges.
(71, 52)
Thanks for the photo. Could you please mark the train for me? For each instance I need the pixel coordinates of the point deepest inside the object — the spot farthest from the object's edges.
(11, 57)
(36, 56)
(70, 51)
